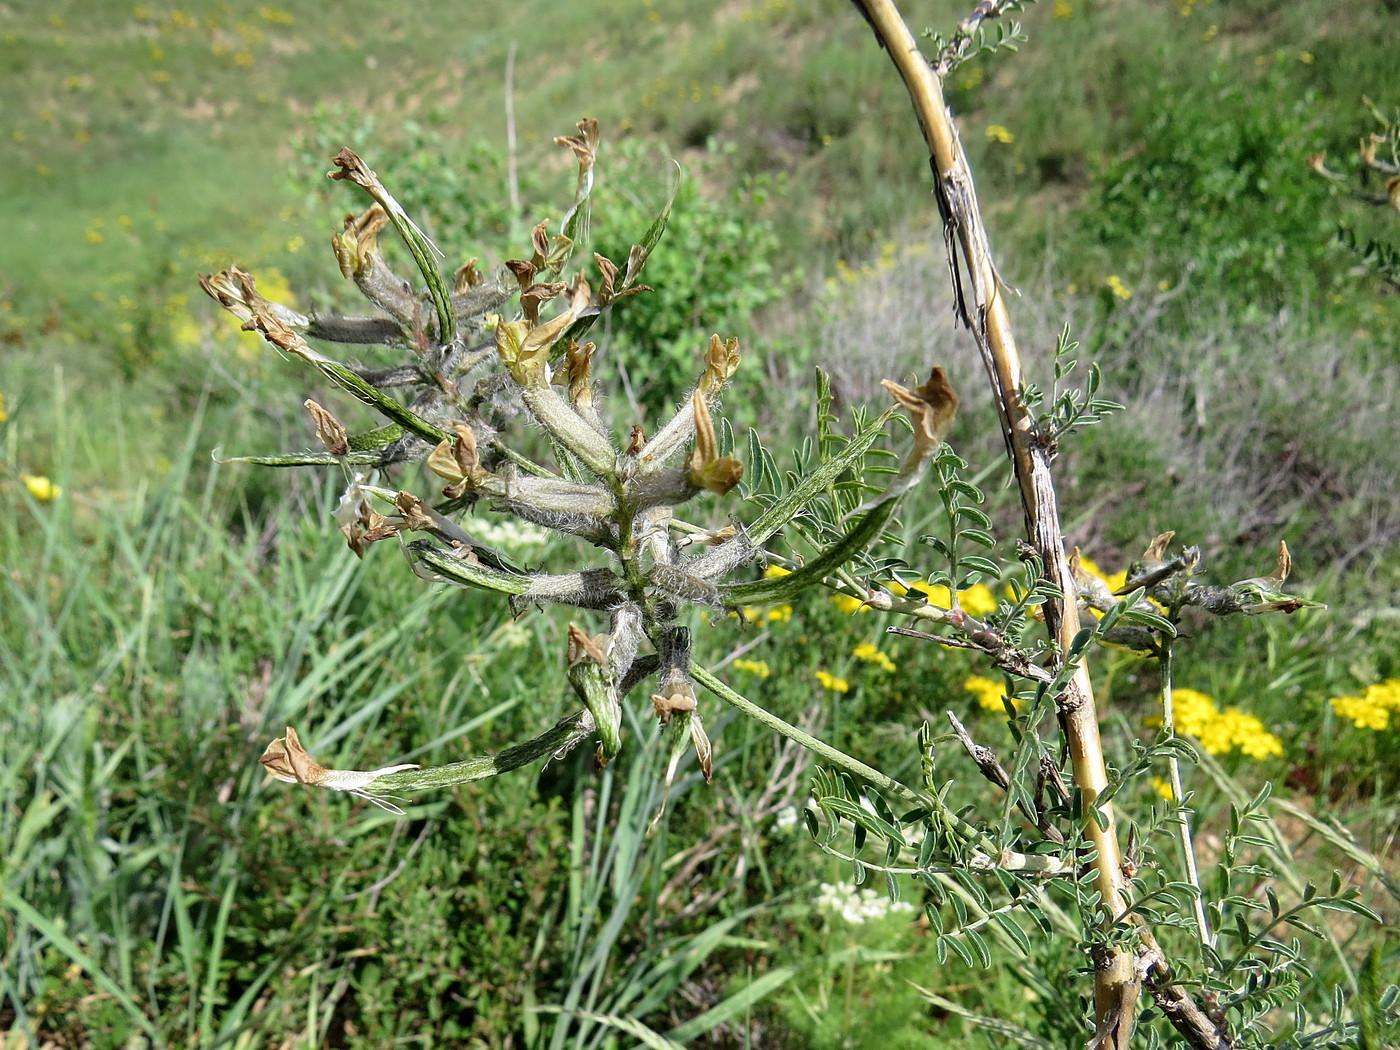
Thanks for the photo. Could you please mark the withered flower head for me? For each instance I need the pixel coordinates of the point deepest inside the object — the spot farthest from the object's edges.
(289, 762)
(355, 247)
(466, 277)
(721, 362)
(581, 648)
(933, 407)
(410, 508)
(458, 461)
(1157, 550)
(329, 430)
(584, 144)
(666, 706)
(708, 470)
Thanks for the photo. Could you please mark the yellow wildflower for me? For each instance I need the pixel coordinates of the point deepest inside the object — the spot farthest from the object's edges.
(774, 571)
(41, 488)
(1194, 711)
(830, 681)
(978, 600)
(1370, 710)
(871, 654)
(989, 692)
(1118, 288)
(1163, 787)
(758, 614)
(848, 604)
(1219, 732)
(998, 133)
(1062, 9)
(758, 668)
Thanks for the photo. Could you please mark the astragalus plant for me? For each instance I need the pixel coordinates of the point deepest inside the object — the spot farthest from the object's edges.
(496, 393)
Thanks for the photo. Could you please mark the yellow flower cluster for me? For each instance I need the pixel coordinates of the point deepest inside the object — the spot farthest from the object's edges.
(867, 651)
(1163, 787)
(776, 614)
(1370, 710)
(1118, 288)
(977, 600)
(1222, 731)
(848, 604)
(830, 681)
(1114, 580)
(758, 668)
(41, 488)
(998, 133)
(989, 692)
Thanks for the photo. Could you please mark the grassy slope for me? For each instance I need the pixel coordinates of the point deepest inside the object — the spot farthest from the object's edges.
(160, 596)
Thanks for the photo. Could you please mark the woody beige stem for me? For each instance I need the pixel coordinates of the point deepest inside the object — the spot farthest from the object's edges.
(983, 308)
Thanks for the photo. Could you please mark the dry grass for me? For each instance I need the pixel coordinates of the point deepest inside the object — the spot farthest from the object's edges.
(1237, 434)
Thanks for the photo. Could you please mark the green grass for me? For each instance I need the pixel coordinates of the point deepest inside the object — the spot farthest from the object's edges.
(167, 615)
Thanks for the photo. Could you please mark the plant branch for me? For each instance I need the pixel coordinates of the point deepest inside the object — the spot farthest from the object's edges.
(1188, 849)
(988, 856)
(559, 738)
(1117, 984)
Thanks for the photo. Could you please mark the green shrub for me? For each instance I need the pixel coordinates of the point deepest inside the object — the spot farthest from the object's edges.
(1211, 188)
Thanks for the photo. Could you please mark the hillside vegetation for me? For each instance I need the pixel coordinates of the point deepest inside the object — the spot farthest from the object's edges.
(1144, 171)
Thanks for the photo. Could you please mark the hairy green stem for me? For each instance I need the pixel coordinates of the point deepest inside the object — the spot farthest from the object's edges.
(563, 735)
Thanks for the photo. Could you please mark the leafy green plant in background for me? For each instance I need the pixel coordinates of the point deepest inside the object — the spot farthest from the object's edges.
(1228, 145)
(1379, 153)
(716, 267)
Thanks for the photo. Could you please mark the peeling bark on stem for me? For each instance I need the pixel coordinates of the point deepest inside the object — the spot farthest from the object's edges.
(979, 293)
